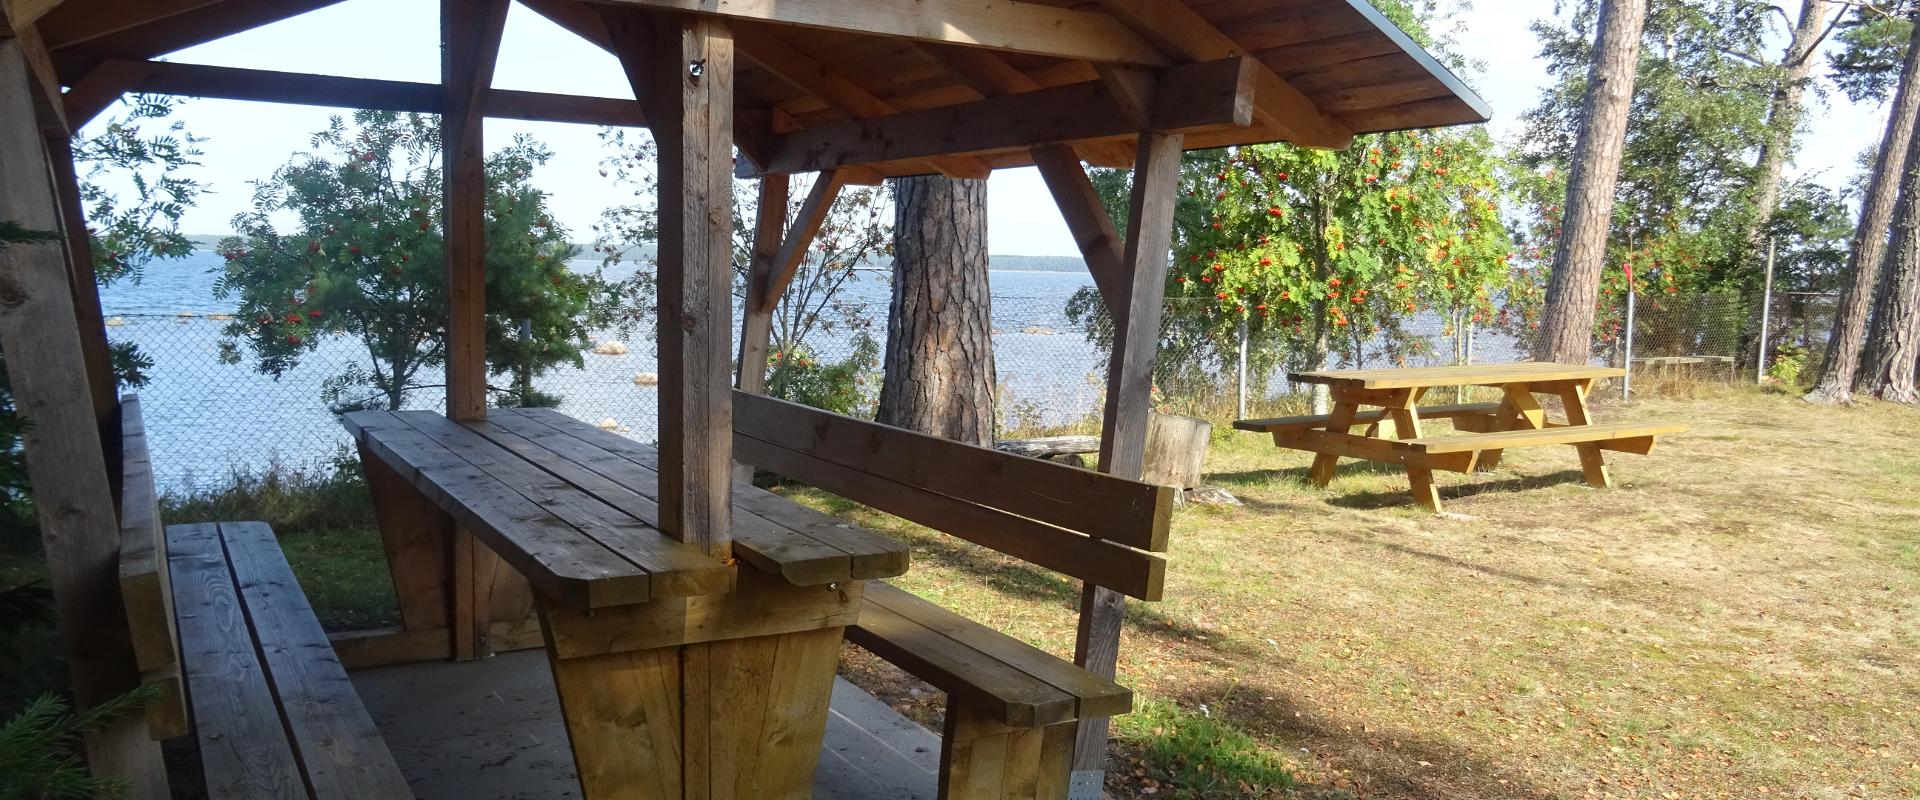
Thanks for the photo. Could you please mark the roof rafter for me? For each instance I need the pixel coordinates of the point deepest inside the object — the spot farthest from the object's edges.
(991, 76)
(78, 21)
(179, 31)
(765, 48)
(1179, 30)
(998, 24)
(1211, 95)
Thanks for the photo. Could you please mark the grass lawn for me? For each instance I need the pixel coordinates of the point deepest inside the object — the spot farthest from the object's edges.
(1736, 620)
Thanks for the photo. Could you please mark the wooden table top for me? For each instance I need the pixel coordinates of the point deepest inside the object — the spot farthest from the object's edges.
(575, 509)
(1463, 375)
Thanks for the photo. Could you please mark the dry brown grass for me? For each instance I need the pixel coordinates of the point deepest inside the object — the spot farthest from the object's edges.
(1736, 620)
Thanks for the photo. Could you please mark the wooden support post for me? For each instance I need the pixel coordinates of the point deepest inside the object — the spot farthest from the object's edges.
(756, 326)
(1123, 440)
(469, 42)
(681, 69)
(101, 383)
(65, 461)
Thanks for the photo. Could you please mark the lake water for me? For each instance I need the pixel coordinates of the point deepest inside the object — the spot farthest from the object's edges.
(207, 419)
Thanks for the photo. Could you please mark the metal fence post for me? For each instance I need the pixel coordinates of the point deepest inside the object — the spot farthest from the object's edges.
(1626, 381)
(1766, 319)
(1242, 398)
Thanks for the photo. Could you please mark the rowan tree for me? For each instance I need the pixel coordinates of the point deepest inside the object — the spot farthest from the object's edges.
(363, 259)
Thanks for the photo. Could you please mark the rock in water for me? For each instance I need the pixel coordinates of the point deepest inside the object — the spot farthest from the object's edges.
(646, 379)
(610, 424)
(610, 348)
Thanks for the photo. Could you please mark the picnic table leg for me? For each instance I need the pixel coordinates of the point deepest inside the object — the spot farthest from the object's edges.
(1519, 411)
(1406, 425)
(1574, 396)
(712, 697)
(1341, 421)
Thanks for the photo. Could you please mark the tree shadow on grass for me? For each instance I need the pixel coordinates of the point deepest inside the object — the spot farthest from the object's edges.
(1519, 483)
(1390, 762)
(1381, 541)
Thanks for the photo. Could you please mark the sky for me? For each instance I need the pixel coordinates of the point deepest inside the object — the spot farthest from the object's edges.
(399, 41)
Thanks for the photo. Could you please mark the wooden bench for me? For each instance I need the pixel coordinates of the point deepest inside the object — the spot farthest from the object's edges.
(1369, 417)
(215, 611)
(1012, 709)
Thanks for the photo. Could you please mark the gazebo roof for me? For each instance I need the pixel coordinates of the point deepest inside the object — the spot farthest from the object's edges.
(912, 86)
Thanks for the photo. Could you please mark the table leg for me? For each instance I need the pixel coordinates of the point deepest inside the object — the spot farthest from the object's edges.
(1518, 411)
(1573, 395)
(416, 535)
(1341, 421)
(720, 698)
(1406, 425)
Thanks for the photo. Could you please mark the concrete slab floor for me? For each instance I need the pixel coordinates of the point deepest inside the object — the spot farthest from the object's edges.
(491, 730)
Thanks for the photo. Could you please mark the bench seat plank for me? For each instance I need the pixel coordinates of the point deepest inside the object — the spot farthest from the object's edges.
(1363, 418)
(341, 752)
(1568, 434)
(245, 751)
(1020, 685)
(1094, 696)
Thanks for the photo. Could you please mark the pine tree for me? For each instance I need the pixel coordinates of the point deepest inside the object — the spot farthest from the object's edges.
(1566, 333)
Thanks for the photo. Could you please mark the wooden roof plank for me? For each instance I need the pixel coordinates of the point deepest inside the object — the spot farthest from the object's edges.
(1179, 29)
(766, 48)
(1194, 96)
(995, 24)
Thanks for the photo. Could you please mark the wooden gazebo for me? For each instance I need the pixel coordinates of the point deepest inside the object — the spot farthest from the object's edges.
(855, 90)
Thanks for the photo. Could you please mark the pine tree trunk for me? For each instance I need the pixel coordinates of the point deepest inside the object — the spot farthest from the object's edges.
(1841, 368)
(1783, 118)
(1895, 342)
(1566, 330)
(939, 365)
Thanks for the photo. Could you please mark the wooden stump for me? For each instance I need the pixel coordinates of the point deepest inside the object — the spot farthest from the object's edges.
(1176, 451)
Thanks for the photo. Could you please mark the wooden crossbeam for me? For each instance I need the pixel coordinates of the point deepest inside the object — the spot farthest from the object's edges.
(82, 21)
(998, 24)
(177, 31)
(1192, 97)
(93, 92)
(764, 47)
(1180, 31)
(991, 76)
(112, 78)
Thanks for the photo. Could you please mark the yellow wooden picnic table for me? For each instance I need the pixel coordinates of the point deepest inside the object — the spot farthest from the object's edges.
(1516, 421)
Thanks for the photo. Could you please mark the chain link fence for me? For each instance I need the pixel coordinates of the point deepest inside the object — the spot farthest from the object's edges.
(209, 419)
